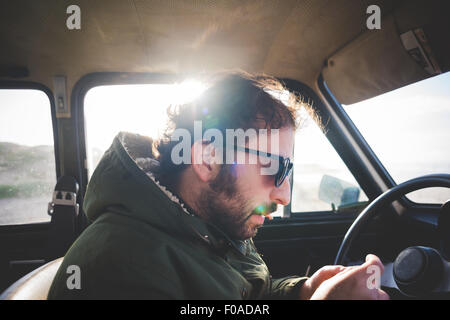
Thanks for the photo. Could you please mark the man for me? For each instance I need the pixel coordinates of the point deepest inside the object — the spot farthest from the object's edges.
(162, 228)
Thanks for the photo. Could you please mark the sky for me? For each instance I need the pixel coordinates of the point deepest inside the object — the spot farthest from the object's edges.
(409, 128)
(25, 117)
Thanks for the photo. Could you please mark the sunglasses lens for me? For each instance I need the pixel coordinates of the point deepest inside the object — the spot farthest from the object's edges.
(283, 171)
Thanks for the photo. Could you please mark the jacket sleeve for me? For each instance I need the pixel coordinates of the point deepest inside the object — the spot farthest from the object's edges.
(285, 288)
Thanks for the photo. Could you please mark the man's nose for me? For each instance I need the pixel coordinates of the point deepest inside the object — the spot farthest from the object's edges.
(282, 194)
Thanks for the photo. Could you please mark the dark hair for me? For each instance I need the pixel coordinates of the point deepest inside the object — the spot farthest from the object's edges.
(234, 100)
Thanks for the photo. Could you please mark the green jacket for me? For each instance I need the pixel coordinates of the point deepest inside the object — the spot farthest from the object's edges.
(142, 243)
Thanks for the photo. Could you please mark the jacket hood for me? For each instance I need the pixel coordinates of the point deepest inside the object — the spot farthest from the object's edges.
(124, 183)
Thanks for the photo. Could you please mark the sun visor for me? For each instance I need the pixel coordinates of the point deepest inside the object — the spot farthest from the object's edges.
(374, 63)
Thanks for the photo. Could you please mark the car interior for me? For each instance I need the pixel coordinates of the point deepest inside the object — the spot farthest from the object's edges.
(333, 53)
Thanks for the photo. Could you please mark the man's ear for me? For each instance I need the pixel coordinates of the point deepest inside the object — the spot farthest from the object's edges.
(203, 163)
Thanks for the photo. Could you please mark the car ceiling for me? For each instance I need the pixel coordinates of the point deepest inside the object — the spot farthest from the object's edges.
(288, 39)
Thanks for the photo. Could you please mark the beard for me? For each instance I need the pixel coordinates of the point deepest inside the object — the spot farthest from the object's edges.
(226, 208)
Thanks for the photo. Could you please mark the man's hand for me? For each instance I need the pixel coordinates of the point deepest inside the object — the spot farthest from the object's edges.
(352, 283)
(338, 282)
(311, 285)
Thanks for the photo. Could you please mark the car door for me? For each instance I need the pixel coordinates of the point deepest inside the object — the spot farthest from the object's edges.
(28, 174)
(40, 195)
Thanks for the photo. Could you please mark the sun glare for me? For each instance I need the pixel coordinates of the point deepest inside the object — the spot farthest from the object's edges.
(139, 109)
(187, 91)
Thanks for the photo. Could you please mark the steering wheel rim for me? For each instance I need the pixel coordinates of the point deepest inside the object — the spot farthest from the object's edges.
(427, 181)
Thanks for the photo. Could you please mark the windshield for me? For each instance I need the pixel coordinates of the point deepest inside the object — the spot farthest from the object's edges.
(409, 131)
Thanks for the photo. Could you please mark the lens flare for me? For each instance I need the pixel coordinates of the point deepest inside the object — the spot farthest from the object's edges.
(265, 211)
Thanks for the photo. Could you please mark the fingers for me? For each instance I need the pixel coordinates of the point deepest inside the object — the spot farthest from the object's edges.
(327, 272)
(355, 282)
(372, 259)
(332, 270)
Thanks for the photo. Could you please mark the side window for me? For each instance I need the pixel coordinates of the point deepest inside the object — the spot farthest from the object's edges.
(320, 177)
(409, 130)
(27, 159)
(321, 180)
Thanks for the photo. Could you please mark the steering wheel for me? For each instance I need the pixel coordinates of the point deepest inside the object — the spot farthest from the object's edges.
(416, 270)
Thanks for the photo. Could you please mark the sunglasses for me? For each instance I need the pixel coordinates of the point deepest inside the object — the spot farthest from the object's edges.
(284, 167)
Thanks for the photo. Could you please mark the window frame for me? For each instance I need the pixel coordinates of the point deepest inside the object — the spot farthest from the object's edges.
(29, 85)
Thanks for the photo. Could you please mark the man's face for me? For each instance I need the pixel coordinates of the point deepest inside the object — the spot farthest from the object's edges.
(240, 191)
